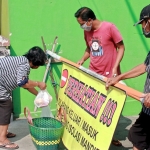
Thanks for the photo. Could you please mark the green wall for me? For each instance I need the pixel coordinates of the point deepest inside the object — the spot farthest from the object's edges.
(31, 19)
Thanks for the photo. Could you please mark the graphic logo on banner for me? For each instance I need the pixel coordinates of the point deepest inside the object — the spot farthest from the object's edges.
(92, 112)
(64, 78)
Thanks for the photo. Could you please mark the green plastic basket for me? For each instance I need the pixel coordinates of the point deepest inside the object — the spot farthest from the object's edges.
(46, 133)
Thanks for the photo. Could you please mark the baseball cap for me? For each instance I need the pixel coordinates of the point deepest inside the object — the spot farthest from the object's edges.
(145, 13)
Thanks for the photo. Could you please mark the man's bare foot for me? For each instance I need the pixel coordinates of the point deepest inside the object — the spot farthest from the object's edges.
(8, 145)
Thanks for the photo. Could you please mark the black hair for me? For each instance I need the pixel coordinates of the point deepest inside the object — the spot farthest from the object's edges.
(85, 13)
(36, 55)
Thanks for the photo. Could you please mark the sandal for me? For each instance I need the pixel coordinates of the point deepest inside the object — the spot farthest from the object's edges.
(10, 135)
(9, 145)
(116, 142)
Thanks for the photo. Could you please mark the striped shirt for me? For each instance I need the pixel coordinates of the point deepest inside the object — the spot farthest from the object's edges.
(13, 70)
(147, 82)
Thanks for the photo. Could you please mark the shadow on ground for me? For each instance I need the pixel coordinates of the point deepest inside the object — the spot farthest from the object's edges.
(121, 134)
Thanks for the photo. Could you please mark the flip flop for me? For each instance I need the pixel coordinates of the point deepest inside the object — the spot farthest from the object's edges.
(1, 146)
(10, 135)
(4, 146)
(116, 142)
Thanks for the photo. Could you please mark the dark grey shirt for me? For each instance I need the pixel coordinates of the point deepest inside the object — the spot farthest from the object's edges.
(147, 82)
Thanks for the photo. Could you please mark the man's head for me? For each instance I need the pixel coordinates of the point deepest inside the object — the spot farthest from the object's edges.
(145, 20)
(85, 17)
(36, 57)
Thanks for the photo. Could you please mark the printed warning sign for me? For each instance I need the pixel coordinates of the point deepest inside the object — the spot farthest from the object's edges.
(64, 78)
(92, 111)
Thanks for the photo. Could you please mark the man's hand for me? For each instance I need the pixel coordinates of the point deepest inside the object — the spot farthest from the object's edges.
(80, 62)
(111, 81)
(146, 100)
(42, 85)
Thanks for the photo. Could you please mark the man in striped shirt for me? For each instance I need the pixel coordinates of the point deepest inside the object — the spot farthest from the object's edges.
(139, 133)
(14, 72)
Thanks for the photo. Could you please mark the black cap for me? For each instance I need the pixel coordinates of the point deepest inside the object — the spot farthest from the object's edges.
(145, 13)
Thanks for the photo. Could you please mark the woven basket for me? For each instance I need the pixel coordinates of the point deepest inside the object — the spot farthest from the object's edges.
(46, 133)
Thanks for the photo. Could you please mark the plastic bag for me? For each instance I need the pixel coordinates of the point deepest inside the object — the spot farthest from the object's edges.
(42, 99)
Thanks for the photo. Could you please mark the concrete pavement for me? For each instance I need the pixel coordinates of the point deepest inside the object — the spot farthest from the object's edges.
(23, 139)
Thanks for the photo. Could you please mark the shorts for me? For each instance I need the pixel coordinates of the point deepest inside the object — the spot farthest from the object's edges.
(139, 133)
(5, 112)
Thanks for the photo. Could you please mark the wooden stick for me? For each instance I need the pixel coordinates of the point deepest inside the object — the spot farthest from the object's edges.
(130, 91)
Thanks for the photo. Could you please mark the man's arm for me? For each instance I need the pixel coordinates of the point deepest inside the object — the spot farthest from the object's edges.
(32, 84)
(120, 53)
(136, 71)
(85, 56)
(33, 91)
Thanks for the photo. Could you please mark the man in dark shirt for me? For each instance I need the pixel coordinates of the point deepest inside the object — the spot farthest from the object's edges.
(139, 133)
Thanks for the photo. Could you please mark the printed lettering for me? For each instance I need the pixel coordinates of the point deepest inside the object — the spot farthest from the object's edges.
(108, 113)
